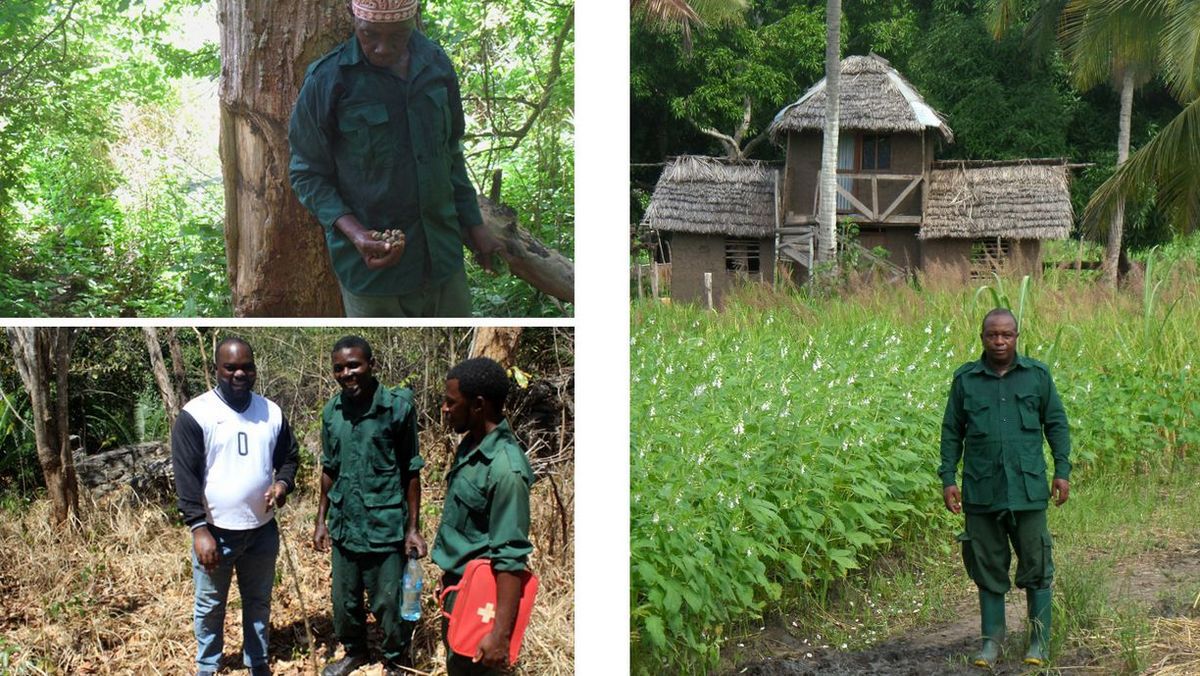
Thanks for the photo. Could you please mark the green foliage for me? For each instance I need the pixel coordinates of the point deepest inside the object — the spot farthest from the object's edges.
(784, 442)
(68, 244)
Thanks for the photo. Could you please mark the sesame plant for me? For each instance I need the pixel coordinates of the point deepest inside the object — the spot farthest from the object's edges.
(787, 441)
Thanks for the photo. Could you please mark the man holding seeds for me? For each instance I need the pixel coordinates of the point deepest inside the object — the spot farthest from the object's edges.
(377, 157)
(1000, 407)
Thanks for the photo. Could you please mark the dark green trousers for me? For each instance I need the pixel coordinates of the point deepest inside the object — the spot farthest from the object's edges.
(379, 575)
(987, 556)
(458, 665)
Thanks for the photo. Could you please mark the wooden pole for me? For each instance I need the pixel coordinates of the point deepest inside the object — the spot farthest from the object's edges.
(708, 290)
(654, 279)
(639, 281)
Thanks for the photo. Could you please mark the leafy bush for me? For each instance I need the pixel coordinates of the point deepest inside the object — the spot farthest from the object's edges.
(786, 441)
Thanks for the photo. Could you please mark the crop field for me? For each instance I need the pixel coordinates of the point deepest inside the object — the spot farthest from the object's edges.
(786, 441)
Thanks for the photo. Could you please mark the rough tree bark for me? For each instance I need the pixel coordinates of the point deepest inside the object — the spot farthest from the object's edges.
(165, 387)
(43, 358)
(178, 372)
(543, 268)
(495, 342)
(274, 249)
(1116, 227)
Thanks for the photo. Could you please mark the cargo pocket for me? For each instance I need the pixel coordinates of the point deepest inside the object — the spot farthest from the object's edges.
(979, 419)
(333, 516)
(968, 555)
(471, 509)
(439, 116)
(1033, 471)
(977, 480)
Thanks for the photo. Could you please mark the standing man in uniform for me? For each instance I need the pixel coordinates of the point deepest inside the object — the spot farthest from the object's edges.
(371, 497)
(235, 461)
(999, 408)
(486, 512)
(376, 142)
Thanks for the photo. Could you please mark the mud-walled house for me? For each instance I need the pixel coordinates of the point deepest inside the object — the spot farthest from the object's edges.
(718, 217)
(959, 217)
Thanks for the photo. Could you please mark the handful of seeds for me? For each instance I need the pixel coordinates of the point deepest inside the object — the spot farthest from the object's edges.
(393, 237)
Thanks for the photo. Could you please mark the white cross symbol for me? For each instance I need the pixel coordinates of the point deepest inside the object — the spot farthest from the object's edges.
(487, 613)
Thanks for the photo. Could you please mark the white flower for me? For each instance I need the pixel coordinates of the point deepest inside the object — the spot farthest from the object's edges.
(766, 406)
(817, 364)
(739, 428)
(699, 390)
(717, 383)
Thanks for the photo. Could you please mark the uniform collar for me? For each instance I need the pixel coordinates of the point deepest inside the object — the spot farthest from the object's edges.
(419, 53)
(381, 399)
(980, 366)
(488, 446)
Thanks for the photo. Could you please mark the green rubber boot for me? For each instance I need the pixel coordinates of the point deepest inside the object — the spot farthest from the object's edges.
(1038, 601)
(991, 621)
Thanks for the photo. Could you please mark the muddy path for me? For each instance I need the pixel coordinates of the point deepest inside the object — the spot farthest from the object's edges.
(1153, 580)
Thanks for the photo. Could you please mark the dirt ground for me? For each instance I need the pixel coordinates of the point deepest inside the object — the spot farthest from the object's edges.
(1152, 580)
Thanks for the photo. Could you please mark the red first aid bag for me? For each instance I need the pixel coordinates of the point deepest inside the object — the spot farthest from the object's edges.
(474, 613)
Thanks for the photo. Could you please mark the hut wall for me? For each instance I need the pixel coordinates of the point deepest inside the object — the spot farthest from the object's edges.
(693, 255)
(951, 258)
(904, 249)
(804, 161)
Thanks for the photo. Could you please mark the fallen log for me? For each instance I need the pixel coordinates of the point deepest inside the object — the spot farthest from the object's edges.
(543, 268)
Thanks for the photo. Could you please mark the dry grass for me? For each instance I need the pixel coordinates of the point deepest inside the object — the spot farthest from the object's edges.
(1175, 646)
(116, 596)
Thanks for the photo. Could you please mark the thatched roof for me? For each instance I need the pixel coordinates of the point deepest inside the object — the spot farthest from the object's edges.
(1022, 199)
(705, 195)
(874, 97)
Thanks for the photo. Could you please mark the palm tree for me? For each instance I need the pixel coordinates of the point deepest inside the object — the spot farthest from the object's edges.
(1170, 162)
(682, 16)
(1102, 45)
(827, 231)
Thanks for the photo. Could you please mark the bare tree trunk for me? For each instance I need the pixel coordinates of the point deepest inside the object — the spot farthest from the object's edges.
(827, 247)
(159, 367)
(178, 371)
(1116, 227)
(498, 343)
(42, 355)
(275, 249)
(543, 268)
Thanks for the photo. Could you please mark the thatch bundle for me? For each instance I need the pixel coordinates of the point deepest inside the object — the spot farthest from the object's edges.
(1023, 199)
(873, 97)
(705, 195)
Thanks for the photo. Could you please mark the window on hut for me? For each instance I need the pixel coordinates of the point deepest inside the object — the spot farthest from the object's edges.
(988, 256)
(742, 255)
(876, 152)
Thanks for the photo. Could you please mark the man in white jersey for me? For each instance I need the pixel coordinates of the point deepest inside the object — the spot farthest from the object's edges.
(235, 460)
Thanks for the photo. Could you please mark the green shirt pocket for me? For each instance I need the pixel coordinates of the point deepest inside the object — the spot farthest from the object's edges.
(1028, 406)
(333, 516)
(364, 128)
(1033, 470)
(978, 480)
(434, 110)
(979, 417)
(470, 504)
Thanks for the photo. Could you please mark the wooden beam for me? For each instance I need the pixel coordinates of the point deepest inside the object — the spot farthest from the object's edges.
(904, 193)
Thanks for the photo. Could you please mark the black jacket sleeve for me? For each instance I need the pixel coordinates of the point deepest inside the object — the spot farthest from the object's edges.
(286, 456)
(187, 460)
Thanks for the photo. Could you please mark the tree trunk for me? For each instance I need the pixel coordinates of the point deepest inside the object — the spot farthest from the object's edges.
(542, 267)
(158, 366)
(1116, 227)
(275, 250)
(178, 371)
(498, 343)
(43, 355)
(827, 246)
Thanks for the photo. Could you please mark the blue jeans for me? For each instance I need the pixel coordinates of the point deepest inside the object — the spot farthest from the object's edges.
(251, 553)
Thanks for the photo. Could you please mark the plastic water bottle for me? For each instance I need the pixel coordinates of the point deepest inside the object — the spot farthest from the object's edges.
(410, 605)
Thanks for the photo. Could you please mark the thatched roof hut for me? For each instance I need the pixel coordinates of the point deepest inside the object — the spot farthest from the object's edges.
(874, 97)
(708, 196)
(1021, 199)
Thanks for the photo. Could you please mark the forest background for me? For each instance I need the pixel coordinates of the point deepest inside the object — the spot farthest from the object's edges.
(1005, 97)
(111, 198)
(108, 590)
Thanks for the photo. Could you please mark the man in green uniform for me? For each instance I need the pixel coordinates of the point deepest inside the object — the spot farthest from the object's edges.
(376, 144)
(371, 496)
(486, 513)
(999, 408)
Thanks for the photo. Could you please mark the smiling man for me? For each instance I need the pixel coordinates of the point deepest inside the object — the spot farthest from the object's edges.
(369, 506)
(235, 461)
(999, 409)
(376, 145)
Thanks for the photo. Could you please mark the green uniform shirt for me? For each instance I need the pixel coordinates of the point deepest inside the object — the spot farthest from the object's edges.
(995, 424)
(367, 142)
(486, 514)
(371, 456)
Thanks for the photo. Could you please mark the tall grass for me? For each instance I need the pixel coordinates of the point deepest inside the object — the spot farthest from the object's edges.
(787, 440)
